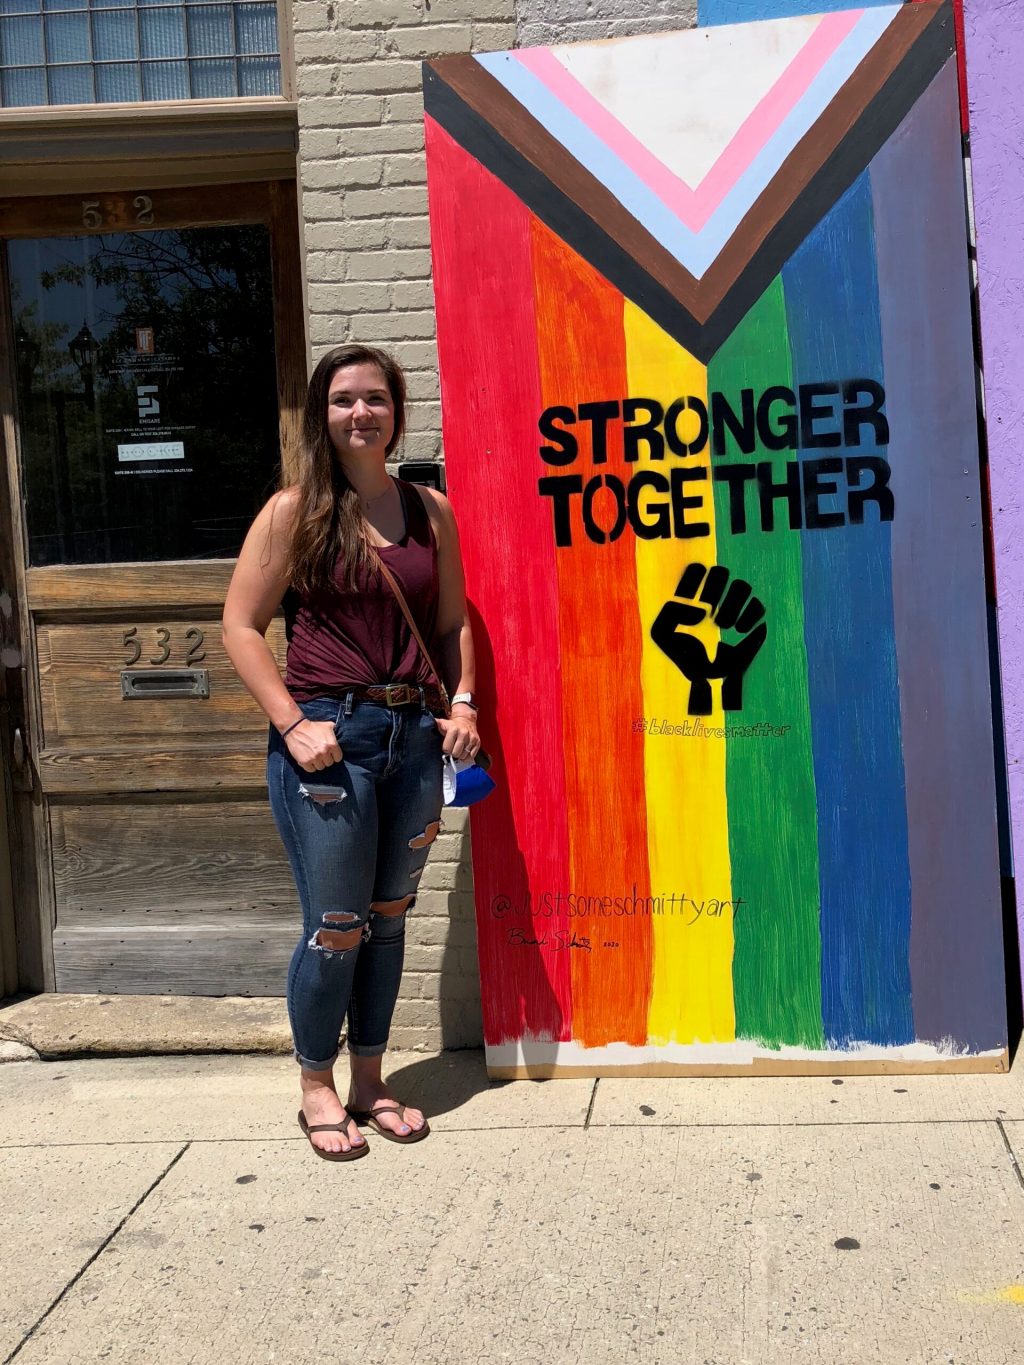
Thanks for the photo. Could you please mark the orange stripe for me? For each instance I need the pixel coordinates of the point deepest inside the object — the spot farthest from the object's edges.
(582, 356)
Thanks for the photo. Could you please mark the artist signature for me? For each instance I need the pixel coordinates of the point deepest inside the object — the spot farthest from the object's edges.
(561, 938)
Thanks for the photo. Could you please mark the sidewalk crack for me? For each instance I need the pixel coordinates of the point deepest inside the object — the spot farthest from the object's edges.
(1013, 1155)
(95, 1255)
(590, 1107)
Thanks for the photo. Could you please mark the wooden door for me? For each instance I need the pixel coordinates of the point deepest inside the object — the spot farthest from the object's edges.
(154, 372)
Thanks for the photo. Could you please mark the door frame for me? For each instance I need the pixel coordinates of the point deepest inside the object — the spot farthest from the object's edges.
(27, 893)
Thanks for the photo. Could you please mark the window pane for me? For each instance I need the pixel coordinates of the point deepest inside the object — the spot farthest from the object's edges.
(113, 36)
(21, 42)
(158, 438)
(162, 32)
(67, 38)
(257, 28)
(117, 83)
(26, 86)
(209, 49)
(165, 80)
(259, 75)
(71, 85)
(210, 30)
(213, 80)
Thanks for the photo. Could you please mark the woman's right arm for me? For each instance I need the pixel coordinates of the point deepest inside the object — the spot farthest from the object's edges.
(257, 588)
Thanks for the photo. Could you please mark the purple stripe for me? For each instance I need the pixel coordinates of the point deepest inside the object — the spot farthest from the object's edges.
(939, 611)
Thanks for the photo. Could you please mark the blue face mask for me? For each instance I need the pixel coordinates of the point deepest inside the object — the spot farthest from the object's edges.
(465, 782)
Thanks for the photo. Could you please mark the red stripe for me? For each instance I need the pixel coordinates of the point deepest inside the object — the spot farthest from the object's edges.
(583, 356)
(490, 397)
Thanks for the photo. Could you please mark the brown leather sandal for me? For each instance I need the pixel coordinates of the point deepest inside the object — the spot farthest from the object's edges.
(352, 1154)
(370, 1116)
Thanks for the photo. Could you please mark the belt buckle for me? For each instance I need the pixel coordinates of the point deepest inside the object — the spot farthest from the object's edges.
(390, 691)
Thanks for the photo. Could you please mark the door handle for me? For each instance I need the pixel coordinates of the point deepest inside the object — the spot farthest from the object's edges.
(20, 753)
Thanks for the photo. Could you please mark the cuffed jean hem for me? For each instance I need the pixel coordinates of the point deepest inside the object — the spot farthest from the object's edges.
(307, 1065)
(367, 1049)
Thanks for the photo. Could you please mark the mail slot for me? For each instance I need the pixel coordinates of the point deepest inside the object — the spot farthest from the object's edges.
(161, 683)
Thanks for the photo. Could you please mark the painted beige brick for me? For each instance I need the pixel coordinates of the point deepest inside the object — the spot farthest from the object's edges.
(405, 170)
(336, 238)
(341, 46)
(447, 11)
(318, 80)
(427, 417)
(428, 40)
(308, 15)
(349, 298)
(413, 294)
(400, 199)
(422, 957)
(319, 143)
(493, 37)
(418, 355)
(380, 77)
(410, 232)
(317, 204)
(339, 111)
(355, 172)
(389, 137)
(387, 327)
(359, 14)
(405, 108)
(390, 265)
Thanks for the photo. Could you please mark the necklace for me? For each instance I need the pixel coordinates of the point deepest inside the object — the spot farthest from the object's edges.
(367, 503)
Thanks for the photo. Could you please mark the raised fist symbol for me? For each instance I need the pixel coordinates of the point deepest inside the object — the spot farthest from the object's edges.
(708, 593)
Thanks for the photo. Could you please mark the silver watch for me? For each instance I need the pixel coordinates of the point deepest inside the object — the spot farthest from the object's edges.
(466, 698)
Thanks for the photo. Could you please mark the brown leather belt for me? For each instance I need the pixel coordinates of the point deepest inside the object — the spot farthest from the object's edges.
(398, 694)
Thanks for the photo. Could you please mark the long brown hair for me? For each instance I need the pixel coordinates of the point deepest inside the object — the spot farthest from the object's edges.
(328, 537)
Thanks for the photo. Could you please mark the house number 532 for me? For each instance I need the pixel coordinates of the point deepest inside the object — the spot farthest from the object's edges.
(163, 646)
(97, 213)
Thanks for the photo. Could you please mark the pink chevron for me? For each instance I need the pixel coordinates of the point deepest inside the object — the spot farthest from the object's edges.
(695, 206)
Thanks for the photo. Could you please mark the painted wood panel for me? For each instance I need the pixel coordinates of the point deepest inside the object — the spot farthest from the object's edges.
(80, 670)
(744, 407)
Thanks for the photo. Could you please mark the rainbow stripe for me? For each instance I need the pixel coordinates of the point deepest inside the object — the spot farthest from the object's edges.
(725, 895)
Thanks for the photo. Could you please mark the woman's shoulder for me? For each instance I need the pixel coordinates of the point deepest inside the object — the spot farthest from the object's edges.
(437, 506)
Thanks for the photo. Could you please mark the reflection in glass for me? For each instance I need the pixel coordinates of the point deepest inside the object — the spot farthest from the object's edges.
(147, 393)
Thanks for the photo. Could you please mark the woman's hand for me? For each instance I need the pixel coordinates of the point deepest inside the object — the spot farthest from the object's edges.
(313, 745)
(460, 736)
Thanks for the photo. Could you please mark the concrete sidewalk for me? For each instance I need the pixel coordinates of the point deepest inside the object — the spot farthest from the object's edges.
(168, 1210)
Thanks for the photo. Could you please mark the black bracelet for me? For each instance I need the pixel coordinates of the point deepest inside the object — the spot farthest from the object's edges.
(292, 726)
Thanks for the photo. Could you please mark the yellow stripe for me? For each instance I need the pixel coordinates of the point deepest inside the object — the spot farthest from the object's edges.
(688, 835)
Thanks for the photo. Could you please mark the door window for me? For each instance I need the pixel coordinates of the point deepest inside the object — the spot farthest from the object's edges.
(147, 392)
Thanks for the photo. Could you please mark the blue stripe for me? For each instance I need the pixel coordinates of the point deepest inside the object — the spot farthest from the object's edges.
(710, 12)
(832, 311)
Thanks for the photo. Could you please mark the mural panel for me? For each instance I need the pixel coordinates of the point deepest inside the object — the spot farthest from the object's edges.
(709, 415)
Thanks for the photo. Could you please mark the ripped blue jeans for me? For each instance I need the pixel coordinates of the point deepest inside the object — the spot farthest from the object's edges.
(357, 836)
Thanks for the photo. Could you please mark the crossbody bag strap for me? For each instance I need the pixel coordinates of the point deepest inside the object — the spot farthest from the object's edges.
(392, 582)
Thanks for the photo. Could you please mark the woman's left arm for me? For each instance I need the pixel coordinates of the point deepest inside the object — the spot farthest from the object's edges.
(454, 632)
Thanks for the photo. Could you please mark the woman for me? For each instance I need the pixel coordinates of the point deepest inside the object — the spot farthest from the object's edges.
(356, 739)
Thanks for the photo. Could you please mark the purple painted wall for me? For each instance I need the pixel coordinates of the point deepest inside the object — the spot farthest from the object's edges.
(995, 60)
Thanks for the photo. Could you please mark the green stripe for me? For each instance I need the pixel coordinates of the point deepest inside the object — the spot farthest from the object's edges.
(773, 827)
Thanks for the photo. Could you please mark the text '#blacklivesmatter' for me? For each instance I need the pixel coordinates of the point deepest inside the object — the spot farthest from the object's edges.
(812, 493)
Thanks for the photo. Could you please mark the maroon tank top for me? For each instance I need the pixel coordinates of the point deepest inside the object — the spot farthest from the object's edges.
(338, 638)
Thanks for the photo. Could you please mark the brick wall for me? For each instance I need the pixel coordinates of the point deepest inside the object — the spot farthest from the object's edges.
(364, 207)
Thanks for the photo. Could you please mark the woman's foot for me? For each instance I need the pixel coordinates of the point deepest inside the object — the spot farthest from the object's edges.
(369, 1090)
(320, 1104)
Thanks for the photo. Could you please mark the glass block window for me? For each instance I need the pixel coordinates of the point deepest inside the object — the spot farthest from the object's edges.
(111, 51)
